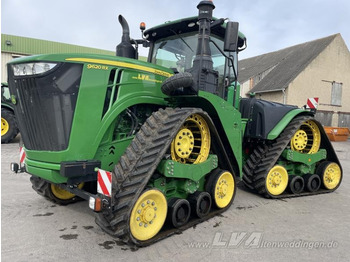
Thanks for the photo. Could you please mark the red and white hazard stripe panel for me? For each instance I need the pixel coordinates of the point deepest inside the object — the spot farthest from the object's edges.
(22, 155)
(104, 182)
(312, 103)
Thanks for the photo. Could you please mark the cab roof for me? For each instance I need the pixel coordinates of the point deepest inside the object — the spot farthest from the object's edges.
(186, 25)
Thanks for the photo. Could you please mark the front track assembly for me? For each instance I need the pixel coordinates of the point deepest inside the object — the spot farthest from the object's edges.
(136, 208)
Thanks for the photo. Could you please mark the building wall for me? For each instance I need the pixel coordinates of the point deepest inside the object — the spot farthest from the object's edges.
(5, 58)
(272, 96)
(245, 87)
(253, 81)
(333, 64)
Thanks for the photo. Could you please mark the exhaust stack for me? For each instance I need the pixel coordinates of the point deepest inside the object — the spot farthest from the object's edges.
(125, 48)
(204, 76)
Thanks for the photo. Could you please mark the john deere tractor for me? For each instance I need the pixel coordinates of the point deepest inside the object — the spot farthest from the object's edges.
(159, 146)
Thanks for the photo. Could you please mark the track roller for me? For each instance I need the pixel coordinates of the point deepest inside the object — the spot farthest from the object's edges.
(313, 182)
(179, 211)
(296, 184)
(201, 203)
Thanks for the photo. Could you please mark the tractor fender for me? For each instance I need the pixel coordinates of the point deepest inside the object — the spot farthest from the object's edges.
(282, 124)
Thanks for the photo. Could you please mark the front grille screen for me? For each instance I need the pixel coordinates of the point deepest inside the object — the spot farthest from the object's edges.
(45, 106)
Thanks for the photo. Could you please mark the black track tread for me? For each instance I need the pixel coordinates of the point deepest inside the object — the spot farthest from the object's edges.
(136, 166)
(42, 187)
(265, 156)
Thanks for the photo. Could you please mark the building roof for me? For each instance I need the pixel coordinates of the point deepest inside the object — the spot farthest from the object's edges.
(31, 46)
(279, 68)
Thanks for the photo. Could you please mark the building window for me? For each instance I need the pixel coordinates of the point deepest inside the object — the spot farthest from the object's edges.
(336, 94)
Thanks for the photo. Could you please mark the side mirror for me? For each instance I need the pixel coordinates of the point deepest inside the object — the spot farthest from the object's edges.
(231, 37)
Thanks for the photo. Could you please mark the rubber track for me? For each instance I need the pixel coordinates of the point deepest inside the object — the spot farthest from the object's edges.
(264, 157)
(135, 168)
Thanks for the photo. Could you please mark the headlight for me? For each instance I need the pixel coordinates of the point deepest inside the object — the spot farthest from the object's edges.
(32, 68)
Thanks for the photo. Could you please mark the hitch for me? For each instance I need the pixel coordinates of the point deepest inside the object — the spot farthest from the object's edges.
(16, 168)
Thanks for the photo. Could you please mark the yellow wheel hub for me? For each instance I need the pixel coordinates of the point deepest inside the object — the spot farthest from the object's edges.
(4, 126)
(299, 140)
(224, 189)
(63, 194)
(332, 176)
(184, 142)
(277, 180)
(192, 142)
(148, 215)
(307, 139)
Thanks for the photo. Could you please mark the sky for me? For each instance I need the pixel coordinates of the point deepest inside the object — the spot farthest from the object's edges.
(269, 25)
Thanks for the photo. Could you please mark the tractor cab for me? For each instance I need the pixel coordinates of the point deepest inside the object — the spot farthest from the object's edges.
(175, 45)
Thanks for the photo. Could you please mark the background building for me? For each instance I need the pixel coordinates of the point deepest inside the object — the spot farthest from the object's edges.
(16, 46)
(320, 68)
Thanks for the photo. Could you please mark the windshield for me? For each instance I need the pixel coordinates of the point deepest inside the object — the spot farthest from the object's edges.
(178, 52)
(5, 93)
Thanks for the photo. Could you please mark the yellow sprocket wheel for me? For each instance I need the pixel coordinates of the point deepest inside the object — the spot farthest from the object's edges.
(191, 144)
(276, 180)
(307, 138)
(4, 126)
(330, 174)
(148, 215)
(62, 194)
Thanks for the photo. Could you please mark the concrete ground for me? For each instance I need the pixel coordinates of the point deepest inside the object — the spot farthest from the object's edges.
(314, 228)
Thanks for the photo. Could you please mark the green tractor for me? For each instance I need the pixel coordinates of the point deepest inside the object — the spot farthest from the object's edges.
(159, 146)
(9, 129)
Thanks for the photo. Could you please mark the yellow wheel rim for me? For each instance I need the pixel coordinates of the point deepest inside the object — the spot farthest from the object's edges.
(224, 189)
(148, 215)
(277, 180)
(63, 194)
(192, 143)
(332, 176)
(307, 139)
(4, 126)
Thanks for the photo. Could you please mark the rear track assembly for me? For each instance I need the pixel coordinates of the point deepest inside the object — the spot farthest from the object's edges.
(265, 156)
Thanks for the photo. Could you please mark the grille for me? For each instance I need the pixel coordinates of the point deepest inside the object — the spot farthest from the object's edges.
(45, 106)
